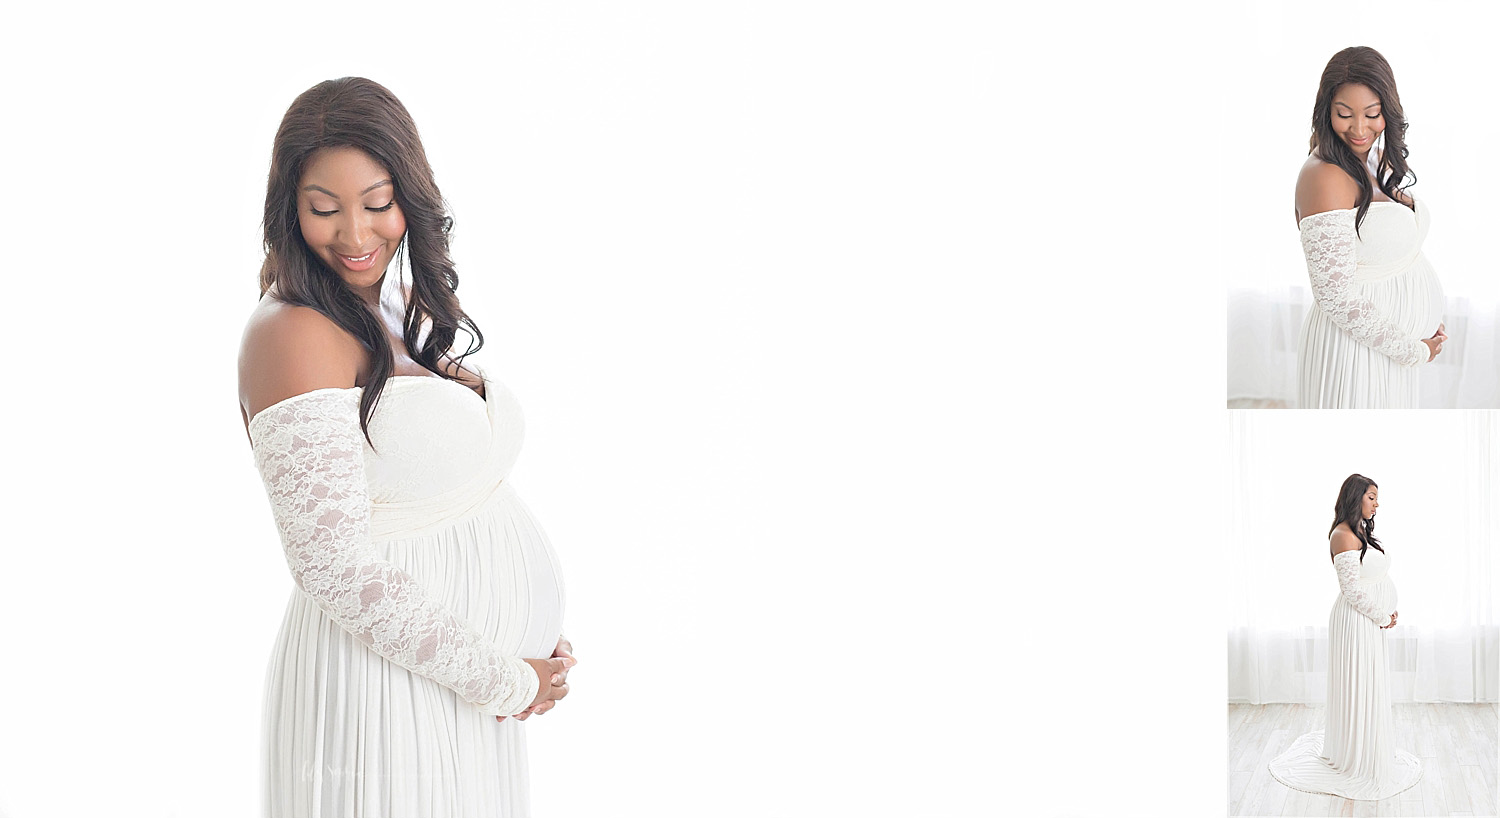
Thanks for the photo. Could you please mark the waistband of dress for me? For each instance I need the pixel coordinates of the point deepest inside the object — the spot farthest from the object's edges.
(416, 518)
(1376, 273)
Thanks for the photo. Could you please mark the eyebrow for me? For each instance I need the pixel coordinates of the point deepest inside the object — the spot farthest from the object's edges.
(380, 183)
(1350, 107)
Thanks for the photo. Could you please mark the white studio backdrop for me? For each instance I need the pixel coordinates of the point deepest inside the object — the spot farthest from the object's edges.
(1439, 478)
(1441, 74)
(861, 426)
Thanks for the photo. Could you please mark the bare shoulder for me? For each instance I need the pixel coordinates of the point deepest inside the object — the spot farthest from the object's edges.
(1343, 540)
(288, 350)
(1322, 187)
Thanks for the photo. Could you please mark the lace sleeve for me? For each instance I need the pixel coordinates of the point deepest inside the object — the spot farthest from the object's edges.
(1328, 242)
(310, 453)
(1346, 563)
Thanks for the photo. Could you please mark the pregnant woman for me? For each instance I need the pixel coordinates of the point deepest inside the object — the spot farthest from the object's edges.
(1355, 756)
(1377, 316)
(428, 604)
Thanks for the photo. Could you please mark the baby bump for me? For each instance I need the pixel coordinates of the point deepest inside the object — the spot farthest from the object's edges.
(1411, 300)
(498, 572)
(1384, 593)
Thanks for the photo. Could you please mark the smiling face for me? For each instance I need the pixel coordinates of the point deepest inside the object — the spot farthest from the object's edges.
(1369, 503)
(1357, 117)
(347, 211)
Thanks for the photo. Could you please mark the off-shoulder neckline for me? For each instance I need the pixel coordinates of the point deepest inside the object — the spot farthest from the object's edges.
(485, 398)
(1355, 552)
(1412, 210)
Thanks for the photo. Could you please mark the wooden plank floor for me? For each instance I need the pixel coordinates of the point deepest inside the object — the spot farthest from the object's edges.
(1259, 403)
(1456, 742)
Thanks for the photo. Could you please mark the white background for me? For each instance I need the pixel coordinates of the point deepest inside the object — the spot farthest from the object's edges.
(872, 356)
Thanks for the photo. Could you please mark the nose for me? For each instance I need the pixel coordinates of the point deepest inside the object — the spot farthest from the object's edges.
(356, 229)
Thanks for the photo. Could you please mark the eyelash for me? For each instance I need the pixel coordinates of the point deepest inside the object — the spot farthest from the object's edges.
(317, 212)
(1342, 116)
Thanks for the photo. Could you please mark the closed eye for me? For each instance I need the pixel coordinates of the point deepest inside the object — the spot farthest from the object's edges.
(382, 209)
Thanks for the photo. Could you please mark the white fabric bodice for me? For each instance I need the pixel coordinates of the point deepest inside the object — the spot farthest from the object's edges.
(439, 451)
(1393, 273)
(1374, 567)
(437, 434)
(430, 435)
(1390, 239)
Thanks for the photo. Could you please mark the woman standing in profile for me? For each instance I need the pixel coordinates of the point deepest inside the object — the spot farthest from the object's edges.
(1355, 756)
(1378, 304)
(428, 606)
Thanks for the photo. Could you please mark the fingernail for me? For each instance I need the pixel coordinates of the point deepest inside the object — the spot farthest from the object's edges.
(557, 678)
(569, 662)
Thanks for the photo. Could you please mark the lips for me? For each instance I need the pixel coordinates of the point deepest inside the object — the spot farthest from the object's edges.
(358, 263)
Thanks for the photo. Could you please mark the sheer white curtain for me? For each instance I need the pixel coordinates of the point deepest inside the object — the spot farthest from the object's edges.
(1439, 477)
(1440, 81)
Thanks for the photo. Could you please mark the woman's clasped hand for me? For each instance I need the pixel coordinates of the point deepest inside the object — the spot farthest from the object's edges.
(1435, 343)
(552, 675)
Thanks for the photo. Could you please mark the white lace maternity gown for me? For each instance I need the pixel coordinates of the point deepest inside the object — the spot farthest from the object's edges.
(1375, 299)
(421, 582)
(1355, 756)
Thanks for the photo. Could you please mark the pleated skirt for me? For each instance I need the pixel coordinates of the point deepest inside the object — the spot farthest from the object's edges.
(348, 733)
(1355, 755)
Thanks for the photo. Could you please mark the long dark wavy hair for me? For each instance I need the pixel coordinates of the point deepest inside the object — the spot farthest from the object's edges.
(359, 113)
(1361, 65)
(1347, 511)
